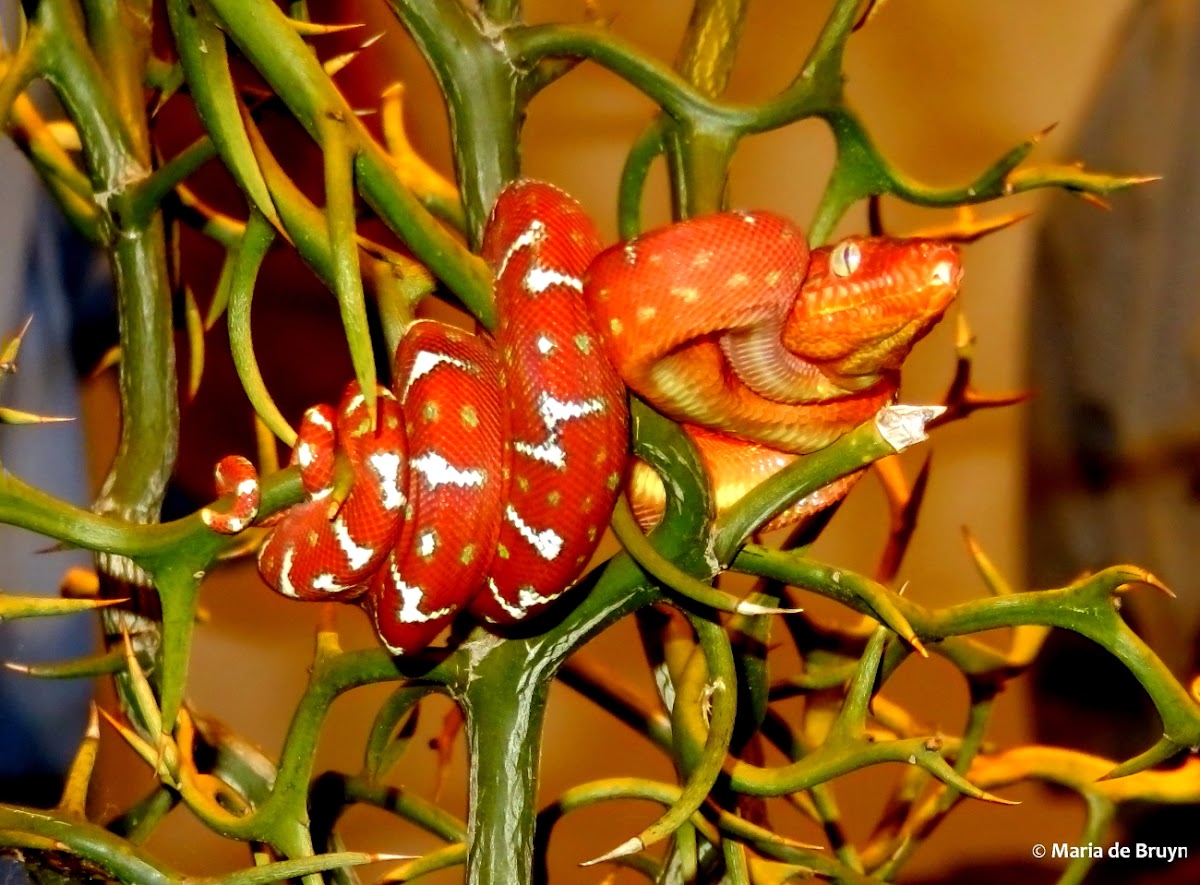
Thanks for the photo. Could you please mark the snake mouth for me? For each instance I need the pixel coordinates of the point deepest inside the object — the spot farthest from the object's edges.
(864, 319)
(761, 362)
(863, 305)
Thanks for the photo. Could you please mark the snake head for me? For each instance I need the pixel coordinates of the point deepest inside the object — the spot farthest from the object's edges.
(866, 301)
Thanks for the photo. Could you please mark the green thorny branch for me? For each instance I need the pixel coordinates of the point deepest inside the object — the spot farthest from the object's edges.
(716, 705)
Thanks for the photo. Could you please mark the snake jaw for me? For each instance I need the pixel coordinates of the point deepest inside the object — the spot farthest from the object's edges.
(864, 303)
(758, 358)
(862, 324)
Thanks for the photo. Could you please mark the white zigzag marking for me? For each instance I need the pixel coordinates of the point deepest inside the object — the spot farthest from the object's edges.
(527, 599)
(411, 598)
(285, 574)
(548, 452)
(516, 611)
(439, 472)
(356, 555)
(548, 543)
(387, 468)
(530, 597)
(315, 417)
(305, 454)
(426, 361)
(325, 582)
(539, 279)
(553, 413)
(531, 236)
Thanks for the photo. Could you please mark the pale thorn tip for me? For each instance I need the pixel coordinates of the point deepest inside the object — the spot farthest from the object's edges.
(753, 608)
(904, 426)
(632, 846)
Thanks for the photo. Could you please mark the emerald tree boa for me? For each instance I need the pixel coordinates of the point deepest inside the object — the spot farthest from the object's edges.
(490, 473)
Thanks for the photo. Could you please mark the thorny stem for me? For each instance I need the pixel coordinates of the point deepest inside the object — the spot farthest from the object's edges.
(116, 144)
(504, 699)
(482, 94)
(490, 65)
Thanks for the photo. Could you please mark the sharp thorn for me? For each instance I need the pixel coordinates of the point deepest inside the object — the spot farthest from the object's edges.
(632, 846)
(753, 608)
(1043, 132)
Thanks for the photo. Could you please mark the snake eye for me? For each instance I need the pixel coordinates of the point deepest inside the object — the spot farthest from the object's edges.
(845, 258)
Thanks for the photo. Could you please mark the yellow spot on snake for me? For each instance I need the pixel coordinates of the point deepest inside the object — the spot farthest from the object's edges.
(685, 293)
(615, 325)
(611, 481)
(773, 277)
(312, 539)
(739, 279)
(468, 415)
(467, 554)
(591, 533)
(701, 258)
(502, 551)
(523, 483)
(430, 411)
(554, 498)
(645, 314)
(583, 343)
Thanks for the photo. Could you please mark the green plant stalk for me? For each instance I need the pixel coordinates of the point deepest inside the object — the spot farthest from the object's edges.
(1087, 607)
(120, 36)
(23, 827)
(978, 717)
(504, 701)
(698, 155)
(408, 805)
(482, 94)
(264, 34)
(503, 684)
(116, 148)
(204, 60)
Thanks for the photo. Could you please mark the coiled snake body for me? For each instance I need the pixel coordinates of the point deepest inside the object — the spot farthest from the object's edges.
(492, 468)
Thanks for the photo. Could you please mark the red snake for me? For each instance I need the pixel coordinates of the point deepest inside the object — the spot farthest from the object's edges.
(493, 466)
